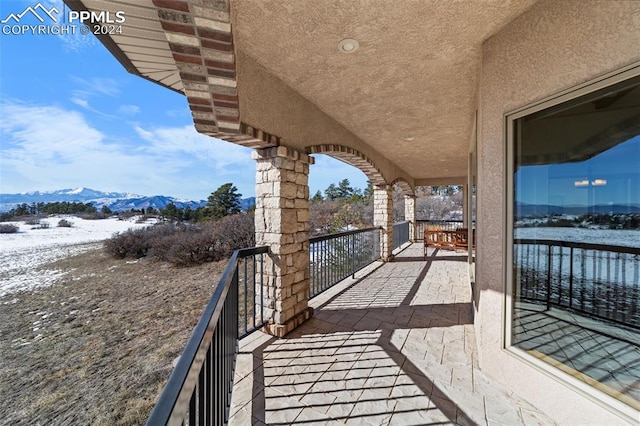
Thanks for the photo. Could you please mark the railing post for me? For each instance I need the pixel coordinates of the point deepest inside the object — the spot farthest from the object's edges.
(571, 278)
(549, 249)
(353, 255)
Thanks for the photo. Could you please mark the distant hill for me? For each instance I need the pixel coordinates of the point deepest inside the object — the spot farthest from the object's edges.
(116, 201)
(532, 210)
(247, 203)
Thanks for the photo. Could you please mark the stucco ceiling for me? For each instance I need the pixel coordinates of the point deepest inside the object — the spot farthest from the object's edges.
(409, 90)
(405, 100)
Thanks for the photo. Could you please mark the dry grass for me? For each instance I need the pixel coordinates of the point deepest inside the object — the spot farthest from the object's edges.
(97, 347)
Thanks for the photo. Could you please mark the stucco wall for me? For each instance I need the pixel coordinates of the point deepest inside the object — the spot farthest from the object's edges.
(270, 105)
(554, 46)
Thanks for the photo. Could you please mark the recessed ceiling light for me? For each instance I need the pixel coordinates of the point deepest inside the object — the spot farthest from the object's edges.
(348, 45)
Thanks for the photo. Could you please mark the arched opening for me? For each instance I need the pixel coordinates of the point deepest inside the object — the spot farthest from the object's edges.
(353, 157)
(340, 197)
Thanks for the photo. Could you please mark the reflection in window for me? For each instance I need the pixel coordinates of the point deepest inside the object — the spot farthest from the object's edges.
(576, 250)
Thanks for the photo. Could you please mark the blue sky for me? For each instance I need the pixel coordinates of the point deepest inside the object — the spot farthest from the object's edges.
(556, 184)
(71, 116)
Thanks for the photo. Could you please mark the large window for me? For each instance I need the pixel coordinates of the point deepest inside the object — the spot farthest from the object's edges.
(575, 282)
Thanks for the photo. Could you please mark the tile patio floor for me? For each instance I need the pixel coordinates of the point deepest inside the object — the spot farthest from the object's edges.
(396, 347)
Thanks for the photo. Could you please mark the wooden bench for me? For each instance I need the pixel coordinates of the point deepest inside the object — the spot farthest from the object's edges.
(436, 237)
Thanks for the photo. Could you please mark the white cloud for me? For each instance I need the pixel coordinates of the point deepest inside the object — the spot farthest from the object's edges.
(81, 102)
(42, 132)
(225, 157)
(95, 86)
(48, 147)
(128, 109)
(84, 103)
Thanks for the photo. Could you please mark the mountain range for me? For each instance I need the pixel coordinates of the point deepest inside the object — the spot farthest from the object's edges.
(542, 210)
(116, 201)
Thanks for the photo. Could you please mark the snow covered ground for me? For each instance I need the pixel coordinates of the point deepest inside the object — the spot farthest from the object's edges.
(612, 237)
(22, 254)
(586, 266)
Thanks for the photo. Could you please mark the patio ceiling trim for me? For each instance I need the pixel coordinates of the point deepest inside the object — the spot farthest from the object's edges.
(352, 157)
(201, 43)
(196, 41)
(407, 190)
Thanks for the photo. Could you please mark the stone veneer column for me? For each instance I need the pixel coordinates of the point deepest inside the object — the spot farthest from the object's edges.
(282, 223)
(410, 215)
(383, 217)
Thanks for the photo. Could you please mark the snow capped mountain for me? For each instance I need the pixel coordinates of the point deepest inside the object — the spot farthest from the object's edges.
(156, 201)
(116, 201)
(76, 191)
(69, 194)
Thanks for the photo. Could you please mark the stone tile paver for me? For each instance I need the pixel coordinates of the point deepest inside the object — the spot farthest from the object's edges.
(396, 347)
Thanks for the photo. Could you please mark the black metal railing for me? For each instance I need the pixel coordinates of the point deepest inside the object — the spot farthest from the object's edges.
(400, 234)
(251, 284)
(597, 280)
(335, 257)
(444, 225)
(199, 389)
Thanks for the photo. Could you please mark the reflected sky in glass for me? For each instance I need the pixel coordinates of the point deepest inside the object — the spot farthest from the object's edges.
(611, 177)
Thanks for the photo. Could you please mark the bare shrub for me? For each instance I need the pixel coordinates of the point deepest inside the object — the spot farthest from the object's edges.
(41, 225)
(234, 232)
(162, 246)
(162, 230)
(8, 228)
(143, 218)
(185, 245)
(322, 216)
(93, 216)
(161, 237)
(136, 243)
(64, 223)
(188, 245)
(130, 243)
(33, 221)
(193, 248)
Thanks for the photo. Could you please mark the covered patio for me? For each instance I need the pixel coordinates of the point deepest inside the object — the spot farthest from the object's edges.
(422, 93)
(396, 345)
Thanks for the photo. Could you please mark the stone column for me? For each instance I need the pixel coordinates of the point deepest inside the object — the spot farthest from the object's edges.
(282, 223)
(383, 217)
(410, 215)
